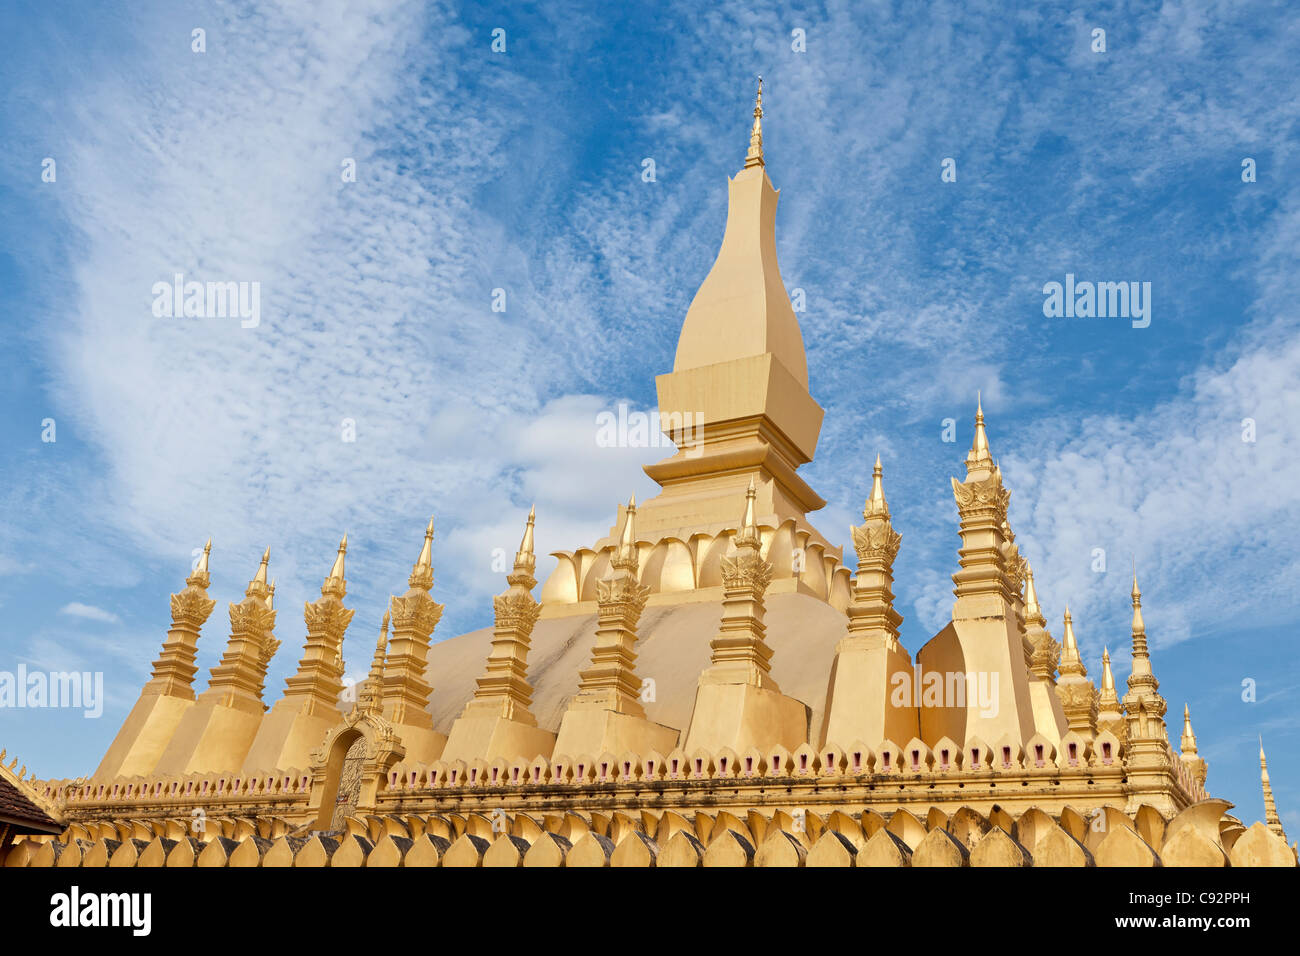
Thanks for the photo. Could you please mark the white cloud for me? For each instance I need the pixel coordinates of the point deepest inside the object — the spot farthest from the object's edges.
(89, 612)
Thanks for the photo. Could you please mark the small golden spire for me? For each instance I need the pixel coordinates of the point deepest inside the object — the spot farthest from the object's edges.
(876, 504)
(626, 554)
(422, 572)
(337, 570)
(1187, 745)
(1139, 627)
(335, 583)
(371, 700)
(748, 524)
(524, 557)
(199, 577)
(270, 595)
(979, 455)
(1107, 677)
(1069, 646)
(1032, 610)
(755, 155)
(1271, 818)
(257, 587)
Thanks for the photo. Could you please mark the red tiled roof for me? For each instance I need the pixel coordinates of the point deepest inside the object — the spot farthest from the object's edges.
(17, 809)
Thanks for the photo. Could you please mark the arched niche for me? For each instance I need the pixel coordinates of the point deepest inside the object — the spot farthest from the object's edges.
(353, 762)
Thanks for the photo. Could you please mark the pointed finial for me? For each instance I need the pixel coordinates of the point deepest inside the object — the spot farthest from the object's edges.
(1139, 626)
(257, 587)
(749, 535)
(371, 699)
(1188, 744)
(755, 155)
(270, 595)
(625, 555)
(422, 572)
(979, 456)
(199, 577)
(876, 504)
(1032, 610)
(1071, 661)
(629, 526)
(1107, 676)
(525, 560)
(335, 583)
(1271, 818)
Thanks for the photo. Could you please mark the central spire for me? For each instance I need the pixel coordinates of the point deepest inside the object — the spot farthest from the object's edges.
(742, 310)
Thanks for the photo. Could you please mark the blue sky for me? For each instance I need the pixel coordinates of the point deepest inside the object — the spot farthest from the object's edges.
(522, 171)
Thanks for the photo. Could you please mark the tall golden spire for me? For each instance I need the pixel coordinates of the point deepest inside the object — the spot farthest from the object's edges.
(755, 155)
(1109, 715)
(1271, 818)
(876, 504)
(371, 700)
(503, 691)
(1077, 694)
(422, 572)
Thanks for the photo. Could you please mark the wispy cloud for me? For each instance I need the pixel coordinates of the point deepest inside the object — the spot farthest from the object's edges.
(88, 612)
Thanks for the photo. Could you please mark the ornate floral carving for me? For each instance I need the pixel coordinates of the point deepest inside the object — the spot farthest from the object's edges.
(621, 594)
(329, 617)
(1046, 653)
(1077, 696)
(874, 542)
(251, 617)
(416, 611)
(191, 607)
(516, 611)
(986, 494)
(746, 570)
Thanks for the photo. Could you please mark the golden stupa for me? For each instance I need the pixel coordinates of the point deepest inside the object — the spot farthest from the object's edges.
(709, 684)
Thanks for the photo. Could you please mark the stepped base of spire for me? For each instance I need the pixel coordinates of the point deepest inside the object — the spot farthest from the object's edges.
(587, 731)
(741, 716)
(145, 734)
(861, 700)
(985, 685)
(212, 737)
(422, 744)
(488, 737)
(289, 733)
(1049, 718)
